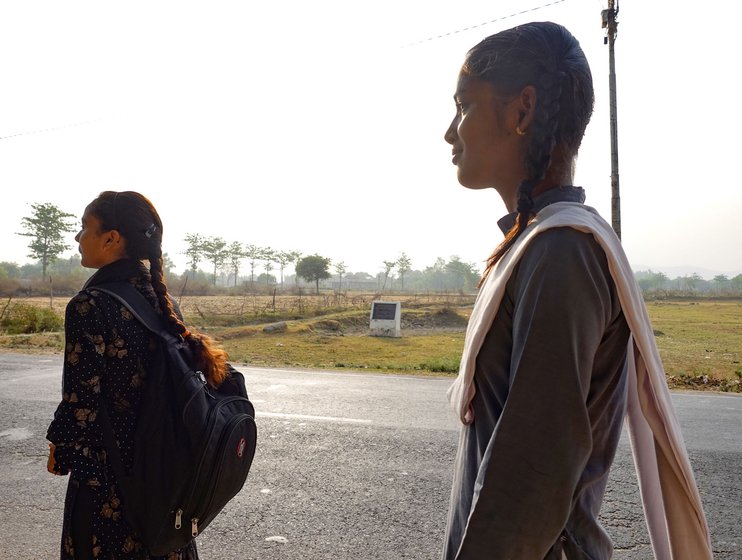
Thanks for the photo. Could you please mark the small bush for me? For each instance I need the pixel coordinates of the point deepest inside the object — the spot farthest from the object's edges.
(22, 318)
(441, 365)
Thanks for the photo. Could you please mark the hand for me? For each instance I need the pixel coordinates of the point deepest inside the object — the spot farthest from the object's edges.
(51, 463)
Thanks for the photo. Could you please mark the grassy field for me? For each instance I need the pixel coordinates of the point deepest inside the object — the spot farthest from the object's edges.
(700, 341)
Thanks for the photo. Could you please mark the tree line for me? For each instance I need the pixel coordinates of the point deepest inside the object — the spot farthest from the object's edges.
(659, 283)
(225, 260)
(47, 226)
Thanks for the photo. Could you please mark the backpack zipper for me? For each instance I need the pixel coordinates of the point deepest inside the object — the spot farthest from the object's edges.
(194, 527)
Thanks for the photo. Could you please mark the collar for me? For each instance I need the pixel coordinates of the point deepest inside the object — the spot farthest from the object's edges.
(121, 270)
(557, 194)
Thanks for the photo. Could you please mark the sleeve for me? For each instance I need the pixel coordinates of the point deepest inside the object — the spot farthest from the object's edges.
(562, 305)
(74, 431)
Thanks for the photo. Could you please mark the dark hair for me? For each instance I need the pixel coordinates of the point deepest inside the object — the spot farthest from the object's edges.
(548, 57)
(135, 218)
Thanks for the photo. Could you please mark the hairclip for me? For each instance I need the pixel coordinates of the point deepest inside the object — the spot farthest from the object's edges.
(150, 231)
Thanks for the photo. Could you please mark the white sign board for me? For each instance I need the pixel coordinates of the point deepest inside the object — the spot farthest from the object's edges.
(385, 318)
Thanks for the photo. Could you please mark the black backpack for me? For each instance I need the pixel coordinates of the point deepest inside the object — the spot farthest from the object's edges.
(194, 444)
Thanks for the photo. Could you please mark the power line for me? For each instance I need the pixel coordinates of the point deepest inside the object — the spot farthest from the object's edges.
(50, 129)
(529, 10)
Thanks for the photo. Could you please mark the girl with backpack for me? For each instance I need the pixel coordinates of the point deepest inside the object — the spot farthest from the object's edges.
(107, 357)
(559, 345)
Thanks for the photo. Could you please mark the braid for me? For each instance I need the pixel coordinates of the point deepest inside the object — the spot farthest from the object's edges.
(538, 158)
(545, 125)
(211, 359)
(163, 299)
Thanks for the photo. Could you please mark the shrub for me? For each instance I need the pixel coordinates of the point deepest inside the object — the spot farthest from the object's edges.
(441, 365)
(22, 318)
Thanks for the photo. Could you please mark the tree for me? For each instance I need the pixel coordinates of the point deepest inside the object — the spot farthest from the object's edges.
(404, 265)
(435, 276)
(253, 254)
(268, 256)
(463, 275)
(266, 279)
(340, 268)
(313, 269)
(286, 257)
(214, 250)
(194, 252)
(47, 226)
(167, 264)
(651, 281)
(721, 281)
(388, 266)
(694, 280)
(235, 254)
(10, 270)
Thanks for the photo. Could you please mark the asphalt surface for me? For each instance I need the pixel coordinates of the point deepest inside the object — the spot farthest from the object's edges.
(349, 466)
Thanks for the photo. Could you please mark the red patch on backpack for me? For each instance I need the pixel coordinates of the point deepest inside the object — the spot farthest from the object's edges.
(241, 447)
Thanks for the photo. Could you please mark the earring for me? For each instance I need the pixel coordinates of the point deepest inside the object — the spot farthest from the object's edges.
(519, 132)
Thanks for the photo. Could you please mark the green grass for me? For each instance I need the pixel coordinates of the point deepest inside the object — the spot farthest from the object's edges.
(700, 342)
(299, 347)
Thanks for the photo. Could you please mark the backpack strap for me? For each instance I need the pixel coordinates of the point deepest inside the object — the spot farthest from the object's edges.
(138, 305)
(143, 312)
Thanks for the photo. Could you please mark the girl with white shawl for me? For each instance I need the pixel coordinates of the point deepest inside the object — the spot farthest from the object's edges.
(559, 347)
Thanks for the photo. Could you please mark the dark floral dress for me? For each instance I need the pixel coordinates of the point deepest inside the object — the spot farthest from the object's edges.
(107, 356)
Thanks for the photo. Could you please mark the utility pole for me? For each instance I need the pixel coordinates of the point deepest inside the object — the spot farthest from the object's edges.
(610, 25)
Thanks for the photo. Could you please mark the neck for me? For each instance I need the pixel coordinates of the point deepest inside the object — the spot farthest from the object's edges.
(556, 176)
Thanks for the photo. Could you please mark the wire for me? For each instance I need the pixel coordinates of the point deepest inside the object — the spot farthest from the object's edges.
(51, 129)
(484, 23)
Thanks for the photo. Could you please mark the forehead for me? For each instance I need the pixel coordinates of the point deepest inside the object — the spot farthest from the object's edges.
(89, 218)
(466, 85)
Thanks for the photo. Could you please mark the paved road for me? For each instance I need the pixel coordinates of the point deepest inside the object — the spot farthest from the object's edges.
(349, 466)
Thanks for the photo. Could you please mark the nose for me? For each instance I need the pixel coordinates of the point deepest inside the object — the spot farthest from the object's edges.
(450, 135)
(77, 237)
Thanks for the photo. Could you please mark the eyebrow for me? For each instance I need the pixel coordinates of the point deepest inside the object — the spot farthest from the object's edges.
(459, 93)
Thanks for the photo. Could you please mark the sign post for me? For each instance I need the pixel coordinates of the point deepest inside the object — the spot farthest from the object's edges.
(385, 318)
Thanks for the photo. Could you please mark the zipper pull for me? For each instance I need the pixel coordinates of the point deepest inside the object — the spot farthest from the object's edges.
(194, 527)
(178, 515)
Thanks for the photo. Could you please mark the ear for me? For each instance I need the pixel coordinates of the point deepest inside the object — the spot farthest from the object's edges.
(526, 105)
(112, 238)
(115, 243)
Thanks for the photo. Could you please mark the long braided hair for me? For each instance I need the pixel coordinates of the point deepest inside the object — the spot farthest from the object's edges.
(138, 222)
(548, 57)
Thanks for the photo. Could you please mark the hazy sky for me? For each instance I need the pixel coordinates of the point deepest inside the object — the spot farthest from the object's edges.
(318, 126)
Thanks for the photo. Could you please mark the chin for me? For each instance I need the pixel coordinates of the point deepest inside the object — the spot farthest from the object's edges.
(473, 183)
(85, 264)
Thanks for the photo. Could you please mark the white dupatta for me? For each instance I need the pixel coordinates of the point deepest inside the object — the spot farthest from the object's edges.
(672, 505)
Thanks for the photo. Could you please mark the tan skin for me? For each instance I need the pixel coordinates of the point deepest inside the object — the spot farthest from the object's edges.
(97, 249)
(487, 150)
